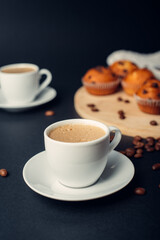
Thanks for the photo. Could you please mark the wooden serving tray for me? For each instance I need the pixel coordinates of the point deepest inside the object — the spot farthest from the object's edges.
(135, 123)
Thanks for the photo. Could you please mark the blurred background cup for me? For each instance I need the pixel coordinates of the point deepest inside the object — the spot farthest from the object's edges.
(79, 164)
(20, 83)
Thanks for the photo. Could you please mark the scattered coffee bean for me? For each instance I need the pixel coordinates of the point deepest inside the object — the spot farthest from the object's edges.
(157, 146)
(94, 109)
(126, 101)
(49, 113)
(156, 166)
(158, 139)
(121, 112)
(119, 99)
(130, 152)
(138, 138)
(139, 145)
(150, 149)
(146, 146)
(139, 191)
(153, 123)
(150, 141)
(122, 117)
(138, 155)
(3, 172)
(139, 151)
(91, 105)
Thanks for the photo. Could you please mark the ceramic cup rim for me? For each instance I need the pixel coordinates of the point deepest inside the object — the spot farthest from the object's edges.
(77, 121)
(31, 65)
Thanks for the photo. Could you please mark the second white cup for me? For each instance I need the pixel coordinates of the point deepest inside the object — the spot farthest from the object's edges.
(20, 83)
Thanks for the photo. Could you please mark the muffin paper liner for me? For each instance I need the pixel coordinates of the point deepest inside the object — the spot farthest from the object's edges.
(108, 85)
(147, 102)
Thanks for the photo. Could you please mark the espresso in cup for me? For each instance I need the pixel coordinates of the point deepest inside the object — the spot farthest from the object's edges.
(18, 70)
(76, 133)
(77, 150)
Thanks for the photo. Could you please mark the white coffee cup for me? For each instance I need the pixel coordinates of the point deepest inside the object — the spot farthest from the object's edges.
(22, 87)
(79, 164)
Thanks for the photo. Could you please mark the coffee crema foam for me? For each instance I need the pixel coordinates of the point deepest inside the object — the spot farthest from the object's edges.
(76, 133)
(18, 70)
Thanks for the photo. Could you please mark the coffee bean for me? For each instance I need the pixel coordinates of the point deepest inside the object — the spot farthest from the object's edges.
(91, 105)
(119, 99)
(138, 155)
(3, 172)
(139, 150)
(157, 146)
(138, 138)
(153, 123)
(156, 166)
(140, 191)
(135, 142)
(150, 139)
(121, 112)
(126, 101)
(146, 146)
(139, 145)
(94, 109)
(122, 117)
(158, 139)
(150, 149)
(151, 142)
(130, 152)
(49, 113)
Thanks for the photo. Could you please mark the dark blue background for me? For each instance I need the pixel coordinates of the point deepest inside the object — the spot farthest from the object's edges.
(68, 37)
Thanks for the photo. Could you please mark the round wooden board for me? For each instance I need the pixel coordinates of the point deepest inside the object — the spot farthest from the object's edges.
(135, 123)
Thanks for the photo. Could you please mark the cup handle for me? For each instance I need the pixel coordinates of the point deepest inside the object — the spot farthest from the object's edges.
(116, 139)
(47, 81)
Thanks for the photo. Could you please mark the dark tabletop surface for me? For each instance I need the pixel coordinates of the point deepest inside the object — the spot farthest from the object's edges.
(69, 37)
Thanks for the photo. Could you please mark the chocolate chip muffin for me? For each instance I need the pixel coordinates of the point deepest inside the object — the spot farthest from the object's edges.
(148, 97)
(100, 81)
(134, 80)
(122, 68)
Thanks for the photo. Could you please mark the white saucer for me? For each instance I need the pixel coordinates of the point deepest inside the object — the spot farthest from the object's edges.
(118, 173)
(47, 95)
